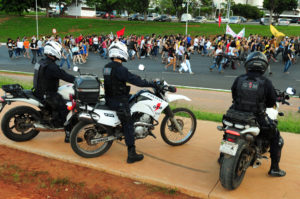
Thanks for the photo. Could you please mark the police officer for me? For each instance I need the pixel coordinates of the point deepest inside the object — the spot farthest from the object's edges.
(46, 82)
(117, 93)
(252, 92)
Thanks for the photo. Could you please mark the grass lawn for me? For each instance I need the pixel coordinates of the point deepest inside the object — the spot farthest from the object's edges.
(25, 26)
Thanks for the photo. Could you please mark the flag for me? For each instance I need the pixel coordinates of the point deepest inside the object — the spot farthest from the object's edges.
(275, 32)
(220, 21)
(120, 32)
(241, 34)
(229, 31)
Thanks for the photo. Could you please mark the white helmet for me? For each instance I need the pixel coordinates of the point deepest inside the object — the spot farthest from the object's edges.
(53, 48)
(118, 50)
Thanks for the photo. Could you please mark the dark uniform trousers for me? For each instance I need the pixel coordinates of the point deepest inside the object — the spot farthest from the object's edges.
(121, 106)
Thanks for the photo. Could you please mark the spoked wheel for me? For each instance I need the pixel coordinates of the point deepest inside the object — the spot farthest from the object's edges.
(233, 168)
(84, 138)
(187, 123)
(17, 123)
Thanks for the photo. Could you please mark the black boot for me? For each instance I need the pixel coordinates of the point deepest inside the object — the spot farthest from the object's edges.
(133, 156)
(275, 171)
(67, 137)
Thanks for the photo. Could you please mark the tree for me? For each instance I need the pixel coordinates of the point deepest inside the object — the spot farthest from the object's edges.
(279, 6)
(106, 5)
(141, 6)
(247, 11)
(15, 6)
(178, 7)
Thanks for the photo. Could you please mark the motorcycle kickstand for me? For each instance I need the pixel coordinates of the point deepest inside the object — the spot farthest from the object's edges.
(150, 133)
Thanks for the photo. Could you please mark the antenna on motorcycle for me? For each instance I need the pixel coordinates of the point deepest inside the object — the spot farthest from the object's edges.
(143, 68)
(76, 69)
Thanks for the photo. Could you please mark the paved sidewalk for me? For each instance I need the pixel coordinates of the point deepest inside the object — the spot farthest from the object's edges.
(191, 168)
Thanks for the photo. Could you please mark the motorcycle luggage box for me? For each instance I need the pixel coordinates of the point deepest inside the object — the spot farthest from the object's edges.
(87, 89)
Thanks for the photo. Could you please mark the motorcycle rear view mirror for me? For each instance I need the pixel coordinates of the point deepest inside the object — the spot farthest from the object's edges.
(141, 67)
(290, 91)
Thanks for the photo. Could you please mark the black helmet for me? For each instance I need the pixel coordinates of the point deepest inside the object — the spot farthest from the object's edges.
(257, 61)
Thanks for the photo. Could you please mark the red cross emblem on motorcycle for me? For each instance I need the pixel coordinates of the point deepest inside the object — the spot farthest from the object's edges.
(250, 84)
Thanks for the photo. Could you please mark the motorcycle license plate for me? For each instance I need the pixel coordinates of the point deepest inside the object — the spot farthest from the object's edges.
(229, 148)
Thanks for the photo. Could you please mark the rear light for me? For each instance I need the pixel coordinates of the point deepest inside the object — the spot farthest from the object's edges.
(232, 132)
(72, 107)
(230, 140)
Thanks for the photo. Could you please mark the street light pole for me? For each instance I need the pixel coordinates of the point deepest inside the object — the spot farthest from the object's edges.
(37, 21)
(76, 9)
(187, 12)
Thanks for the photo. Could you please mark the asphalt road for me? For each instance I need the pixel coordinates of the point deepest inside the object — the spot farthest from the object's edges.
(154, 69)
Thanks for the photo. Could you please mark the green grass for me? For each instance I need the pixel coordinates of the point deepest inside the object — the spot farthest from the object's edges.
(5, 80)
(26, 26)
(288, 123)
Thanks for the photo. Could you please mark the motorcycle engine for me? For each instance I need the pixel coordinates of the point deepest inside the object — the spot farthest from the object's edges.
(141, 131)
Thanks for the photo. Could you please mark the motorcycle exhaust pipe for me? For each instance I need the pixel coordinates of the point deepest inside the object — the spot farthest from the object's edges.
(143, 124)
(40, 127)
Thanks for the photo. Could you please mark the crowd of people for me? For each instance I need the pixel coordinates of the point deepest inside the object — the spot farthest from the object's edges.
(174, 50)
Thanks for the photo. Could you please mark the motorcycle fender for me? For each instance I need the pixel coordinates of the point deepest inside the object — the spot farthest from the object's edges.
(142, 109)
(272, 113)
(28, 101)
(66, 90)
(252, 130)
(174, 97)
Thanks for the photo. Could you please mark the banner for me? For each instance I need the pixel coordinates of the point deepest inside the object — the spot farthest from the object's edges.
(229, 31)
(275, 32)
(120, 32)
(241, 34)
(220, 21)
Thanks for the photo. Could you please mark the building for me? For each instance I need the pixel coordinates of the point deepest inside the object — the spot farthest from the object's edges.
(81, 10)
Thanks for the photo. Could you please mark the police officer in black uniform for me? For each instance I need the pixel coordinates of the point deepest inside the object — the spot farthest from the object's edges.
(117, 93)
(46, 82)
(252, 92)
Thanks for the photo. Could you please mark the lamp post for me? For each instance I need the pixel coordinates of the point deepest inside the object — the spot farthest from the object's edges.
(76, 9)
(187, 13)
(37, 21)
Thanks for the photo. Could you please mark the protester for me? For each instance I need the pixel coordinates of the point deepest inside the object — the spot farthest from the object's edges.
(34, 48)
(65, 57)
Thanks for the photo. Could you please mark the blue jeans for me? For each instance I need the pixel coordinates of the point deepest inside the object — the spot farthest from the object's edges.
(288, 63)
(63, 60)
(215, 64)
(104, 54)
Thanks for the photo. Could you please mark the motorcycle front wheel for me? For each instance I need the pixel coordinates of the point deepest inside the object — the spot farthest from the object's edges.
(81, 139)
(17, 123)
(187, 122)
(232, 170)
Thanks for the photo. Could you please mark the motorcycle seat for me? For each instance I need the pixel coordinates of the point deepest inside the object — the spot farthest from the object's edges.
(30, 94)
(102, 106)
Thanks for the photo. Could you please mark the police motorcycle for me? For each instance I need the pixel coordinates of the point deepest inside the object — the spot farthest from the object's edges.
(242, 146)
(23, 123)
(99, 126)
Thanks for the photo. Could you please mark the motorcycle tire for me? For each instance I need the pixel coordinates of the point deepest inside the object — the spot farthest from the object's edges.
(20, 114)
(171, 127)
(231, 175)
(75, 143)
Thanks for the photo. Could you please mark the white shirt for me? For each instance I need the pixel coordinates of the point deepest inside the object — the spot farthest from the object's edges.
(218, 51)
(202, 42)
(208, 44)
(20, 44)
(181, 50)
(40, 43)
(196, 40)
(95, 40)
(142, 43)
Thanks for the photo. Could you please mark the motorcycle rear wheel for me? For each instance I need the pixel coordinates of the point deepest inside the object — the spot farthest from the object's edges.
(232, 169)
(80, 138)
(182, 116)
(17, 123)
